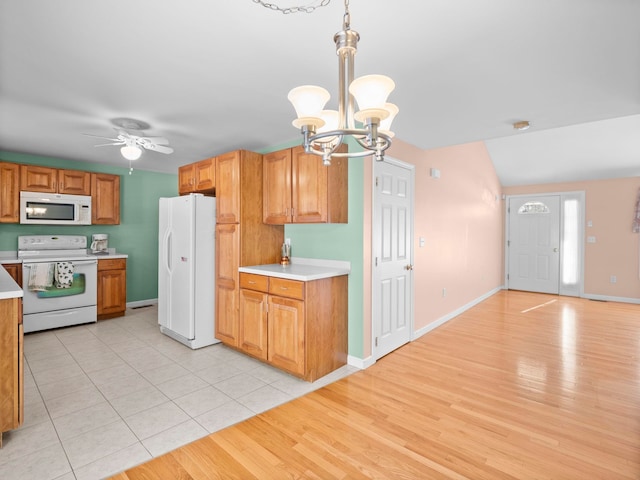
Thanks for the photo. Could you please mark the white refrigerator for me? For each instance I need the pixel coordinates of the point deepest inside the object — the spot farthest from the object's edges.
(186, 269)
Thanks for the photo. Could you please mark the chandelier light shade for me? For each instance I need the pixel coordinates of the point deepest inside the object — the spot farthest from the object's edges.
(131, 152)
(323, 131)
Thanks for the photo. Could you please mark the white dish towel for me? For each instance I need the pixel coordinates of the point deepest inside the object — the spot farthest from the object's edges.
(64, 274)
(40, 276)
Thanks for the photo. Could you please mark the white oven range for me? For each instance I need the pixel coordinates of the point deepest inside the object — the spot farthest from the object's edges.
(69, 301)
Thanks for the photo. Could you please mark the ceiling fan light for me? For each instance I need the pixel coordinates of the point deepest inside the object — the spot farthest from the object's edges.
(131, 152)
(371, 91)
(308, 101)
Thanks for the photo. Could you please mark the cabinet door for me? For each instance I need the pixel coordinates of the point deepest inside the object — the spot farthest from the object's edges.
(253, 323)
(11, 373)
(205, 175)
(112, 292)
(227, 288)
(34, 178)
(15, 270)
(228, 189)
(9, 192)
(74, 182)
(309, 191)
(105, 199)
(286, 334)
(185, 179)
(277, 187)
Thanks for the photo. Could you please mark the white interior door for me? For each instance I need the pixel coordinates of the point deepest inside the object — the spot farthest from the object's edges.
(534, 243)
(392, 278)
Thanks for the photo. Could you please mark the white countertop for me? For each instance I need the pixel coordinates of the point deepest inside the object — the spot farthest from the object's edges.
(9, 256)
(304, 269)
(104, 256)
(8, 287)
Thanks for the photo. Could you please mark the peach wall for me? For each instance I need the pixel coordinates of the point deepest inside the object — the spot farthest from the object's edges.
(610, 206)
(460, 217)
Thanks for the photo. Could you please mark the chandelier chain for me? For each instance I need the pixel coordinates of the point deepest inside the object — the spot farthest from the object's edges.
(346, 22)
(286, 10)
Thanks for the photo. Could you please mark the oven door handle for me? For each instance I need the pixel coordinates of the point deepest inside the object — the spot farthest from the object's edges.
(76, 262)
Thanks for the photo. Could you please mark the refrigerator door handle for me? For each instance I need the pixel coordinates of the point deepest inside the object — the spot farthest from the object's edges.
(167, 249)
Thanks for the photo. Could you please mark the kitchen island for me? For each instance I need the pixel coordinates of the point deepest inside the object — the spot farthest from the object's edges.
(295, 317)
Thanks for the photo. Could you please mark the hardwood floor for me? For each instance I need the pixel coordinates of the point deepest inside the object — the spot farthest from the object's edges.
(522, 386)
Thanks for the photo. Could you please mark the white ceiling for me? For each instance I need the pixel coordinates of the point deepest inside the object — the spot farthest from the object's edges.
(213, 76)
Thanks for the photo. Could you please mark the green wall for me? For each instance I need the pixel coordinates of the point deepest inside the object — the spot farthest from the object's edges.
(137, 234)
(339, 242)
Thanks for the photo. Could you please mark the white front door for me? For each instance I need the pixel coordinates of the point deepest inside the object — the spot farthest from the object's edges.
(534, 243)
(392, 278)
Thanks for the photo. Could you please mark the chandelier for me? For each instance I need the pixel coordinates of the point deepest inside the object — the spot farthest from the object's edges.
(323, 131)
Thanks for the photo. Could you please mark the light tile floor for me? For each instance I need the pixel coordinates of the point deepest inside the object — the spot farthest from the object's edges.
(104, 397)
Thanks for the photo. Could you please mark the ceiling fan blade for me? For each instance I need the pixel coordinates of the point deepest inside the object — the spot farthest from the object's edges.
(156, 140)
(109, 144)
(158, 148)
(100, 136)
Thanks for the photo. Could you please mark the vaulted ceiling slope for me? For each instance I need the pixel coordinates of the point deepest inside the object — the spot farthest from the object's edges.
(213, 76)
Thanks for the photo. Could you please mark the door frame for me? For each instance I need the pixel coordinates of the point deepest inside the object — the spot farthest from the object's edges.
(374, 228)
(578, 195)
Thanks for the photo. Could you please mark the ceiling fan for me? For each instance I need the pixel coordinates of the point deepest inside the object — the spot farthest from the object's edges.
(132, 145)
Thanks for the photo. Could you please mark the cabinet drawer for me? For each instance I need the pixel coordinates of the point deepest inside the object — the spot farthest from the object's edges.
(252, 281)
(286, 288)
(112, 264)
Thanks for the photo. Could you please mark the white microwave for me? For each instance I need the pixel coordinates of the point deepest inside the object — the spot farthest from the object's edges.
(54, 209)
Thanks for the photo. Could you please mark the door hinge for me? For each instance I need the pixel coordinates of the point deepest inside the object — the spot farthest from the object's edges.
(376, 262)
(377, 178)
(376, 341)
(508, 243)
(507, 276)
(508, 209)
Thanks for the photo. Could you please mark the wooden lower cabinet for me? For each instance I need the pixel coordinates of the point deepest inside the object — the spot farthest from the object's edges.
(299, 327)
(112, 288)
(253, 323)
(15, 270)
(11, 365)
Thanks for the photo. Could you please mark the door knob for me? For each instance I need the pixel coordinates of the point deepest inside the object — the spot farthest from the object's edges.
(555, 249)
(409, 267)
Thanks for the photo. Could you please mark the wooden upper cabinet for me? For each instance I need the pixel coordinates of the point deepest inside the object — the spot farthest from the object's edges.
(228, 191)
(185, 179)
(105, 199)
(74, 182)
(276, 192)
(198, 177)
(309, 188)
(35, 178)
(298, 188)
(9, 192)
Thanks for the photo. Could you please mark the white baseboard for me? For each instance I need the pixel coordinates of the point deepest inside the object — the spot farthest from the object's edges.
(426, 329)
(142, 303)
(360, 363)
(607, 298)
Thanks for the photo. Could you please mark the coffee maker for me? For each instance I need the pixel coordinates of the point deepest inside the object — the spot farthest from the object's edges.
(99, 243)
